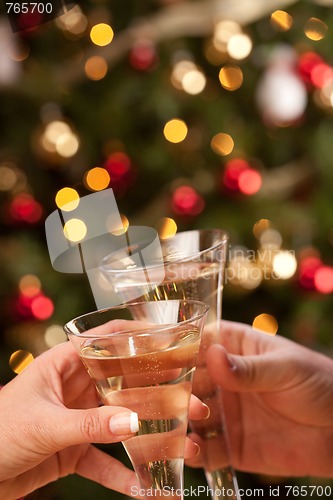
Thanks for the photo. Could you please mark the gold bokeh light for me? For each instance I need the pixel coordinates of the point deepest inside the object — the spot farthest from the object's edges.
(265, 323)
(97, 179)
(166, 228)
(19, 360)
(231, 77)
(281, 20)
(75, 230)
(101, 34)
(222, 144)
(67, 199)
(30, 285)
(315, 29)
(96, 68)
(175, 130)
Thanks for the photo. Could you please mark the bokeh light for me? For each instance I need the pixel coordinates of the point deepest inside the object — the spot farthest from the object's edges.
(323, 279)
(166, 228)
(75, 230)
(175, 130)
(223, 31)
(265, 323)
(58, 137)
(239, 46)
(194, 82)
(281, 20)
(143, 55)
(249, 181)
(260, 226)
(19, 360)
(315, 29)
(42, 307)
(96, 68)
(101, 34)
(121, 230)
(97, 179)
(54, 335)
(67, 199)
(284, 264)
(271, 238)
(179, 70)
(187, 201)
(231, 77)
(29, 285)
(8, 177)
(24, 208)
(73, 22)
(222, 144)
(307, 269)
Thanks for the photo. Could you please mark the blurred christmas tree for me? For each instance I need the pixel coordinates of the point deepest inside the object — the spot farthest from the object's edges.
(198, 114)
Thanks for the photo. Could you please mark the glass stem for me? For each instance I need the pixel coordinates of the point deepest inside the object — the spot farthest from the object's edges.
(222, 483)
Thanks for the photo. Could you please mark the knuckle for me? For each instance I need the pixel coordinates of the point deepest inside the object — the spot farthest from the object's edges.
(90, 426)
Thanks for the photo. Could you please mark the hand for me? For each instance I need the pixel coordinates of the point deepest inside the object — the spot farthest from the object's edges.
(278, 401)
(49, 415)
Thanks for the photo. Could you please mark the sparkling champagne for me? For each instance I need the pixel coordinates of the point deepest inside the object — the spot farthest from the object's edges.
(151, 375)
(196, 281)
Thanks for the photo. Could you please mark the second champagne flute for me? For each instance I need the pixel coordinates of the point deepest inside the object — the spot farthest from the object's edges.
(194, 264)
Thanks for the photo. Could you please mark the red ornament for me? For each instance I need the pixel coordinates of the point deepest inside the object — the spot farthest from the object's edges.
(239, 176)
(306, 63)
(307, 271)
(143, 56)
(186, 201)
(121, 171)
(24, 208)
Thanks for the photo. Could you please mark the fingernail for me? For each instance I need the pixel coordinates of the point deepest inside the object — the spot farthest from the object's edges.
(124, 423)
(207, 411)
(231, 363)
(198, 449)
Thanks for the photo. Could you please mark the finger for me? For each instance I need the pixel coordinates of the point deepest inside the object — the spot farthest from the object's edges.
(245, 373)
(96, 425)
(194, 460)
(198, 410)
(192, 449)
(107, 471)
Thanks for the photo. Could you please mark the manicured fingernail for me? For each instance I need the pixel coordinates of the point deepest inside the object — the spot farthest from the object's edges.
(124, 423)
(207, 411)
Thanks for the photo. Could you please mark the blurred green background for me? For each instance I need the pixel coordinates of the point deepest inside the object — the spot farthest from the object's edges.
(198, 114)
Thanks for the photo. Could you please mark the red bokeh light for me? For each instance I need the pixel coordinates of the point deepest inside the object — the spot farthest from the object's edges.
(42, 307)
(321, 74)
(323, 279)
(233, 169)
(143, 56)
(120, 168)
(307, 270)
(25, 208)
(186, 201)
(306, 63)
(238, 176)
(249, 181)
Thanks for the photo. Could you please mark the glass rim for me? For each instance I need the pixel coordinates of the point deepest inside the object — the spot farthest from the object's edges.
(225, 237)
(135, 331)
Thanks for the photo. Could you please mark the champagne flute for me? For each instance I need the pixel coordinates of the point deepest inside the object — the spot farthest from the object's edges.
(142, 356)
(194, 264)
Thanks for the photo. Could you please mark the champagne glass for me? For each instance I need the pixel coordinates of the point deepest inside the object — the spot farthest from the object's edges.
(142, 356)
(194, 264)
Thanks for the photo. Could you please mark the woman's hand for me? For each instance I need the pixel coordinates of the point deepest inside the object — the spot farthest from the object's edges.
(49, 415)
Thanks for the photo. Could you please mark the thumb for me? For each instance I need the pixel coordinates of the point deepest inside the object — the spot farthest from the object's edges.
(242, 373)
(106, 424)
